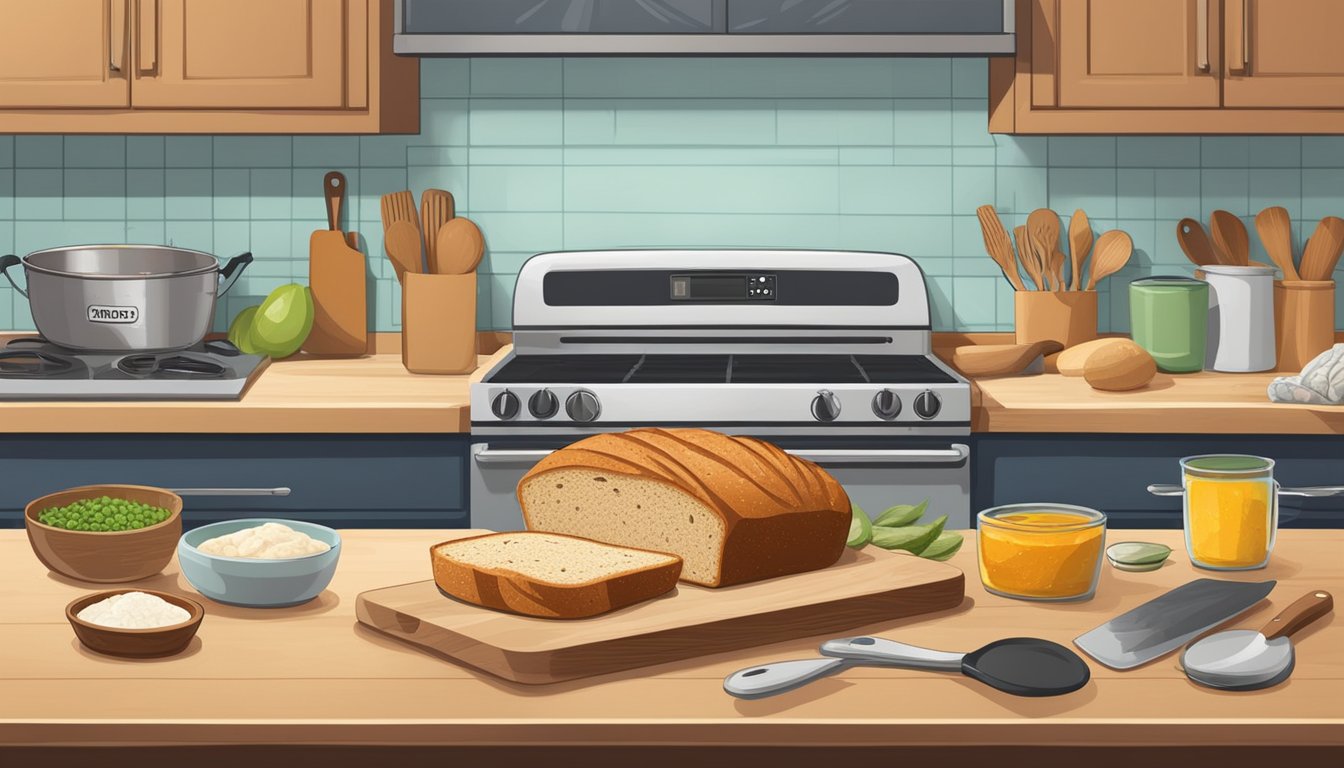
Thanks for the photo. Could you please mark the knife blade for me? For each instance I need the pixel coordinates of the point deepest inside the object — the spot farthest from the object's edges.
(1169, 621)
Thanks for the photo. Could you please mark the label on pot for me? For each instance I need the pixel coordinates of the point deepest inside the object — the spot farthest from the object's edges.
(106, 314)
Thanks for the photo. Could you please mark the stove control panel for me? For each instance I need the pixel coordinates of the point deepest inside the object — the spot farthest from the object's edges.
(583, 406)
(886, 405)
(928, 404)
(505, 406)
(825, 406)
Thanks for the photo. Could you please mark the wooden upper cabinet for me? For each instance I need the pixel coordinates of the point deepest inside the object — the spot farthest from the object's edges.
(1135, 53)
(63, 53)
(1284, 53)
(240, 54)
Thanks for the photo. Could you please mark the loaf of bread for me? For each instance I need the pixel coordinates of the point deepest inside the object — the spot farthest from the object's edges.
(549, 575)
(734, 509)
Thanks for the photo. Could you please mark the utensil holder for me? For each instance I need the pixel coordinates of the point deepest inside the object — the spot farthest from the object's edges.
(1069, 317)
(438, 323)
(1304, 321)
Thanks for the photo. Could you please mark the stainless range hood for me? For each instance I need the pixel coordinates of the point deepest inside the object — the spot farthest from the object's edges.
(703, 27)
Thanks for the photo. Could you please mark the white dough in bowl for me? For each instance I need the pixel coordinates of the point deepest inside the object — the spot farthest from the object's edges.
(269, 541)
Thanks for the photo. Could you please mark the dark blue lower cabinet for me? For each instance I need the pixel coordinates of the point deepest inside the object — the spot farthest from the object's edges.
(1112, 473)
(342, 481)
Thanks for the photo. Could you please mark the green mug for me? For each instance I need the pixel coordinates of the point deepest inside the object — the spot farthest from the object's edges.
(1169, 317)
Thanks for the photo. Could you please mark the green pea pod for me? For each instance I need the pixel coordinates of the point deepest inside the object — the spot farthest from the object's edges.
(860, 528)
(943, 547)
(911, 538)
(901, 515)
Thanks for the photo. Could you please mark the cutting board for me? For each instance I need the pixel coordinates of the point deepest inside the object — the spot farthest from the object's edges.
(865, 587)
(338, 282)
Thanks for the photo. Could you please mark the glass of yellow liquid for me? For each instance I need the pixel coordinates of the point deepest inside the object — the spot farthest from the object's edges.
(1041, 551)
(1231, 508)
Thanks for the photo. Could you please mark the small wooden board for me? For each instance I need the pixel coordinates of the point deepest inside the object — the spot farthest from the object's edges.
(865, 587)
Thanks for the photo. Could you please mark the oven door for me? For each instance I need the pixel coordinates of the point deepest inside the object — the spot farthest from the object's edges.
(876, 473)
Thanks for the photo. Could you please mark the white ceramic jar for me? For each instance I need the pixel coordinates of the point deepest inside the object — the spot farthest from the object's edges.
(1241, 318)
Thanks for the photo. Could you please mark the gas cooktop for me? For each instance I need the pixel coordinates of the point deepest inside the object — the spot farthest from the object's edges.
(720, 369)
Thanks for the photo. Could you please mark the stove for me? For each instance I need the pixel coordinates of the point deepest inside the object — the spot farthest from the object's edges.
(31, 368)
(825, 353)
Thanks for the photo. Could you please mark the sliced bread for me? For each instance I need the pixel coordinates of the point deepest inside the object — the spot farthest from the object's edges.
(550, 575)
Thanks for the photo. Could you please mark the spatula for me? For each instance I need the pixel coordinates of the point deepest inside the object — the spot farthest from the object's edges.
(436, 209)
(997, 244)
(1080, 245)
(1322, 251)
(1043, 229)
(1195, 242)
(460, 247)
(1027, 256)
(1276, 232)
(1112, 253)
(1022, 666)
(402, 241)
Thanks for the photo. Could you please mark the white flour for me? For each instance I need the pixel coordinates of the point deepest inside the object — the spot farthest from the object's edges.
(134, 610)
(270, 541)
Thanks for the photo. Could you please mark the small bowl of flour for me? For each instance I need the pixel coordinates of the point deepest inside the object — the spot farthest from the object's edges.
(135, 623)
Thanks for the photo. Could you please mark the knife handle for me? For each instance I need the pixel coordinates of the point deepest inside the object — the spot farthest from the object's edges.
(1302, 612)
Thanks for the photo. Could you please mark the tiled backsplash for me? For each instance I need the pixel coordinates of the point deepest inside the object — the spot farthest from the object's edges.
(873, 154)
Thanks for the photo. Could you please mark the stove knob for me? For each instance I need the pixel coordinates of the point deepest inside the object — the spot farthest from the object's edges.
(505, 405)
(543, 404)
(886, 405)
(927, 404)
(825, 406)
(583, 406)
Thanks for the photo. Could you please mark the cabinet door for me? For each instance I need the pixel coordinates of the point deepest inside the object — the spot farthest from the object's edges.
(240, 54)
(63, 53)
(1284, 53)
(1137, 53)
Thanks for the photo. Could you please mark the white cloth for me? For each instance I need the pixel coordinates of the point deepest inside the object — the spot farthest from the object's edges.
(1320, 383)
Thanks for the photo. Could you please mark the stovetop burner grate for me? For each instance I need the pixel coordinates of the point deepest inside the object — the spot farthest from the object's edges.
(21, 363)
(169, 367)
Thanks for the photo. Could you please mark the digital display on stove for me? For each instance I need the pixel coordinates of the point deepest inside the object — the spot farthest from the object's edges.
(717, 286)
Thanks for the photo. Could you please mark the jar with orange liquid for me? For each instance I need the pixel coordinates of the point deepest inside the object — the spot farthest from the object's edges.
(1231, 505)
(1041, 551)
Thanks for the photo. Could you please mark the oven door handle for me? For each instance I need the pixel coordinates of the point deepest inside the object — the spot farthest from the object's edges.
(483, 454)
(956, 454)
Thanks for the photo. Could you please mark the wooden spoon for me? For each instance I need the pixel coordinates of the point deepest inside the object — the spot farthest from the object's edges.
(1322, 251)
(1027, 255)
(1113, 251)
(461, 246)
(1043, 228)
(1195, 242)
(1230, 239)
(402, 241)
(1080, 245)
(1001, 359)
(436, 209)
(1276, 233)
(997, 244)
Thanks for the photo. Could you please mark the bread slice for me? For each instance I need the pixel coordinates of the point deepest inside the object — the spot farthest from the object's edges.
(550, 575)
(734, 509)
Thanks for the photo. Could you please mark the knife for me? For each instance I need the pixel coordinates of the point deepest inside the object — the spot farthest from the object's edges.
(1169, 621)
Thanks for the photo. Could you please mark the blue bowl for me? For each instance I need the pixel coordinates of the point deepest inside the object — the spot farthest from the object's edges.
(254, 583)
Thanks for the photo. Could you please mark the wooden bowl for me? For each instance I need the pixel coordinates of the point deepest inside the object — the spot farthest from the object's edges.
(111, 556)
(135, 643)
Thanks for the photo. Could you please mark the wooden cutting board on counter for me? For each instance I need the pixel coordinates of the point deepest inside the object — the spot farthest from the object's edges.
(865, 587)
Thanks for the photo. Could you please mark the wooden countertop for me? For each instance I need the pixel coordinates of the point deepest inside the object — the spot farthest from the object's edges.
(311, 675)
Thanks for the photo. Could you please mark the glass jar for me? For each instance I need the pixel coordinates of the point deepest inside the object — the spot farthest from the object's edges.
(1041, 551)
(1231, 508)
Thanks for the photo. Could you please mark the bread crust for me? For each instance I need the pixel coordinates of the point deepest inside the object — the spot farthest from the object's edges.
(502, 589)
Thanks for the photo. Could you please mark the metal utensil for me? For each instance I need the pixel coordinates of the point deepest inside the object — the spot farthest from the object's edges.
(1276, 233)
(1195, 242)
(1321, 253)
(1229, 238)
(1080, 245)
(1310, 491)
(1169, 621)
(1244, 659)
(998, 246)
(1022, 666)
(1027, 255)
(1112, 254)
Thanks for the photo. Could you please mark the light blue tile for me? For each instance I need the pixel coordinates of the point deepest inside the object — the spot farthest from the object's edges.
(441, 77)
(1021, 190)
(39, 151)
(326, 151)
(970, 123)
(144, 152)
(92, 232)
(677, 121)
(967, 156)
(534, 232)
(920, 156)
(507, 156)
(146, 232)
(919, 76)
(1158, 151)
(698, 230)
(835, 121)
(1323, 152)
(627, 156)
(920, 237)
(1136, 190)
(867, 156)
(387, 151)
(188, 193)
(95, 194)
(507, 262)
(746, 78)
(38, 193)
(451, 155)
(374, 183)
(1021, 150)
(254, 151)
(1082, 151)
(1176, 194)
(968, 247)
(6, 243)
(515, 188)
(656, 189)
(271, 190)
(943, 316)
(972, 187)
(589, 121)
(485, 305)
(1225, 151)
(6, 161)
(1275, 152)
(501, 300)
(975, 300)
(516, 77)
(301, 233)
(895, 190)
(144, 193)
(6, 197)
(232, 238)
(1092, 189)
(1227, 190)
(455, 179)
(308, 201)
(189, 151)
(1167, 250)
(970, 78)
(921, 122)
(95, 151)
(198, 235)
(448, 122)
(1322, 193)
(1145, 235)
(231, 193)
(1276, 186)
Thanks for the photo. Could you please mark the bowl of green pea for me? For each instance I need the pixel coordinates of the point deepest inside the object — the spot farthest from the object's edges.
(105, 533)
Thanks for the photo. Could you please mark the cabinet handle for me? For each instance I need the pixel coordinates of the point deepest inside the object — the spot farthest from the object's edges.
(116, 35)
(1246, 36)
(957, 454)
(1202, 35)
(147, 35)
(281, 491)
(1309, 491)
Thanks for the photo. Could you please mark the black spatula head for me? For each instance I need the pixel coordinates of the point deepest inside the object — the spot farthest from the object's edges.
(1027, 666)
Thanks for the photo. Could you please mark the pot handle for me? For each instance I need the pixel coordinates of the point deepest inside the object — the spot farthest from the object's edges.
(232, 271)
(11, 261)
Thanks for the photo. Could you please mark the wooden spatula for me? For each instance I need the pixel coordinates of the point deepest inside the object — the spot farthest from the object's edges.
(1112, 253)
(997, 244)
(1276, 233)
(1027, 255)
(1000, 359)
(1230, 240)
(1195, 242)
(1080, 245)
(402, 241)
(336, 278)
(1322, 251)
(436, 209)
(461, 246)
